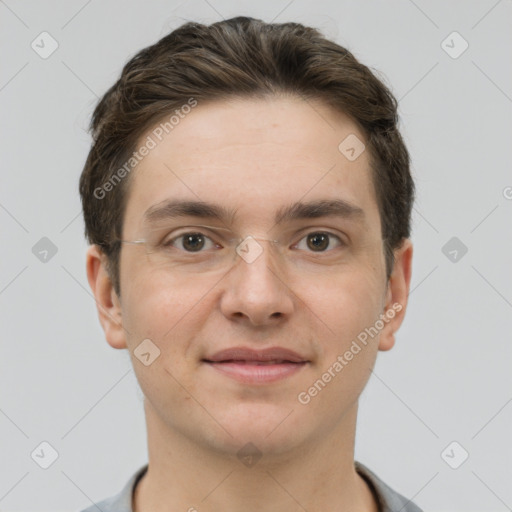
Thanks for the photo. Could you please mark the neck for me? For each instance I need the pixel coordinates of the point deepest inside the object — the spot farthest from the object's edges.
(319, 475)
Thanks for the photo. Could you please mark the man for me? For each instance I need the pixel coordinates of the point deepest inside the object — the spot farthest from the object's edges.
(248, 202)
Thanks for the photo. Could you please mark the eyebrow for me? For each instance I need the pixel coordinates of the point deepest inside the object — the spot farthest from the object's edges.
(171, 209)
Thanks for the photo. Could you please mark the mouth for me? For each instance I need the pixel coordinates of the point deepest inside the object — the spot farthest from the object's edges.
(257, 367)
(255, 362)
(256, 372)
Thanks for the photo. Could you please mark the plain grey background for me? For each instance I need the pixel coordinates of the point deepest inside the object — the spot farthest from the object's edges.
(447, 378)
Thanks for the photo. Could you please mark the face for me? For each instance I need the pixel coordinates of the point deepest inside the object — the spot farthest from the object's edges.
(313, 293)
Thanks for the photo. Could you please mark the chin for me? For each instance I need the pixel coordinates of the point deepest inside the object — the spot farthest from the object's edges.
(271, 429)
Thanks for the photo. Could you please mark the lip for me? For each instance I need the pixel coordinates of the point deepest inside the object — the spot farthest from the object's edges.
(263, 355)
(251, 366)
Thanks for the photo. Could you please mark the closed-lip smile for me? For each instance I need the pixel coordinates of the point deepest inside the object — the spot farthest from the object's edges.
(251, 366)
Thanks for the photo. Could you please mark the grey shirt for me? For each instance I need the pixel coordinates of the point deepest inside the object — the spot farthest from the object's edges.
(387, 498)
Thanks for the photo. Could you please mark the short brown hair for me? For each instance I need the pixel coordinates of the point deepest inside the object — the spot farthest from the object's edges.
(240, 57)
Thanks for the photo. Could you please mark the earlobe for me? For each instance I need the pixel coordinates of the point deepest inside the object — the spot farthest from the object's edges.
(397, 295)
(387, 340)
(107, 301)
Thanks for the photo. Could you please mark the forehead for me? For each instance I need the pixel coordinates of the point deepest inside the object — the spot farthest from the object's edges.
(256, 157)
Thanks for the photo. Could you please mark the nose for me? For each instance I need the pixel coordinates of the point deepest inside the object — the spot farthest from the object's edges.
(255, 289)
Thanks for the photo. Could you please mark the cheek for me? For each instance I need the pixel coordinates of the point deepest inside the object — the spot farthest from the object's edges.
(165, 312)
(159, 311)
(345, 308)
(343, 304)
(154, 301)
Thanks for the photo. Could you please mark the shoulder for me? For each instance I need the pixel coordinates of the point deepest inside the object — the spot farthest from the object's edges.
(388, 499)
(122, 501)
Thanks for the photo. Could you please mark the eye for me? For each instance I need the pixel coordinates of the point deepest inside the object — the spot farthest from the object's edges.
(319, 241)
(190, 242)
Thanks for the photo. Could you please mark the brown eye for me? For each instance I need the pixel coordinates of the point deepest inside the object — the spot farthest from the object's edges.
(320, 241)
(193, 241)
(189, 242)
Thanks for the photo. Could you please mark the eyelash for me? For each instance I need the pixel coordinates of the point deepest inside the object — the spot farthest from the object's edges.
(169, 243)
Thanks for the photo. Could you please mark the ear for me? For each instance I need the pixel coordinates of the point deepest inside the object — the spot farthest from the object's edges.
(107, 301)
(397, 295)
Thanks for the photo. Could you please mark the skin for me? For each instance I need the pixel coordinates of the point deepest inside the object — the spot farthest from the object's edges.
(255, 155)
